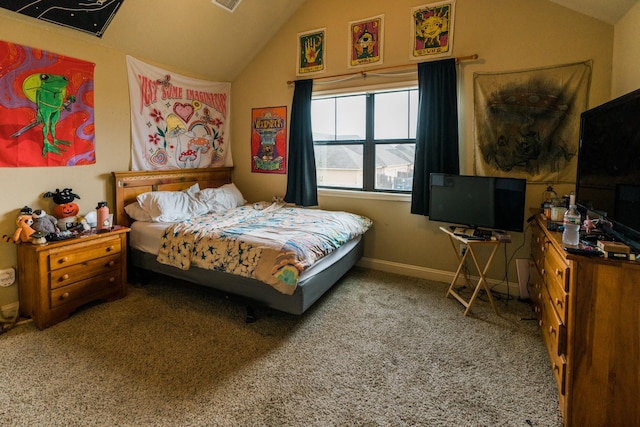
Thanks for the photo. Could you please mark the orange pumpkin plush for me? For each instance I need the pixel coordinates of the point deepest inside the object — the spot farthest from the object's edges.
(66, 210)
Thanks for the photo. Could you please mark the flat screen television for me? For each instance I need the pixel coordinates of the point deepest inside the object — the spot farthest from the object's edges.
(608, 178)
(478, 201)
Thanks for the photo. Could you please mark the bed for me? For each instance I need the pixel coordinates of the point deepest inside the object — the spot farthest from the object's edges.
(146, 236)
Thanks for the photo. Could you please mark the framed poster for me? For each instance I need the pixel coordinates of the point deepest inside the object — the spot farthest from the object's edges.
(432, 30)
(366, 41)
(311, 52)
(269, 139)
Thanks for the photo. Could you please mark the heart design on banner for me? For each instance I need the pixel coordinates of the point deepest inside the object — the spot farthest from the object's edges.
(184, 111)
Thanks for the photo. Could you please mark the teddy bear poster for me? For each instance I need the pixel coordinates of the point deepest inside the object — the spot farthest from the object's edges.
(46, 108)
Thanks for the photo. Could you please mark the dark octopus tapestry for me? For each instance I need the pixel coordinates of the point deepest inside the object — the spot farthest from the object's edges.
(527, 122)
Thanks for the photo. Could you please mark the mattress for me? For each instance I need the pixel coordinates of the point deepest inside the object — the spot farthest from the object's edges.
(145, 237)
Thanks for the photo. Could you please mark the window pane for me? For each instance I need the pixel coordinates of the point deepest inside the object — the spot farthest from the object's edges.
(323, 119)
(339, 165)
(413, 113)
(351, 118)
(394, 166)
(391, 115)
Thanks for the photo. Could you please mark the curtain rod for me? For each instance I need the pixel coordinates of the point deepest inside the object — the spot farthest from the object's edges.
(363, 73)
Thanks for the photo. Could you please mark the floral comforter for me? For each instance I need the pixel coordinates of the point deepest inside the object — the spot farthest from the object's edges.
(271, 243)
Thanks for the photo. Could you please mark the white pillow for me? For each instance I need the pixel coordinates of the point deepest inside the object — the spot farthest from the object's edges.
(222, 198)
(135, 211)
(170, 206)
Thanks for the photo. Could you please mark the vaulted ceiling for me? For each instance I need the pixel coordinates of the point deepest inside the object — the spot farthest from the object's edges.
(229, 41)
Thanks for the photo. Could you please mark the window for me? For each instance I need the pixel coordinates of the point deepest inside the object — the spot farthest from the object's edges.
(366, 141)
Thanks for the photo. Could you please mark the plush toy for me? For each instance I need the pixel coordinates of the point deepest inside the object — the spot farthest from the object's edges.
(66, 209)
(24, 231)
(44, 223)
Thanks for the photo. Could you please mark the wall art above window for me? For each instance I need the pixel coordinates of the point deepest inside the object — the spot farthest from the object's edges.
(432, 30)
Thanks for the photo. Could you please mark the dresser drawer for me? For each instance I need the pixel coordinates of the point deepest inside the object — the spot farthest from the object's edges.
(559, 300)
(85, 290)
(535, 287)
(556, 270)
(554, 332)
(538, 246)
(74, 254)
(84, 270)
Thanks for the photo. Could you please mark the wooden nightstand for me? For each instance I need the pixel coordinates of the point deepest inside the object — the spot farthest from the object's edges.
(57, 278)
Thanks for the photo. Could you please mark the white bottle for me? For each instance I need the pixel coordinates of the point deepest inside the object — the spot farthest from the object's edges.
(571, 233)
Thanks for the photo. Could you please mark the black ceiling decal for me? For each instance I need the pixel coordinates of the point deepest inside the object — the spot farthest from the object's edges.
(88, 16)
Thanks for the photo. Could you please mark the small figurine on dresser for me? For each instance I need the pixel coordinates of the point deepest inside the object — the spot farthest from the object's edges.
(23, 232)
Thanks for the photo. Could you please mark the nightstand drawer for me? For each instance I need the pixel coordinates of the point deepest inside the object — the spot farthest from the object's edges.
(75, 254)
(85, 289)
(84, 270)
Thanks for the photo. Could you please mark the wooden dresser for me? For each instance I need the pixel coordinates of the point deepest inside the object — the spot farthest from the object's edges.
(589, 314)
(57, 278)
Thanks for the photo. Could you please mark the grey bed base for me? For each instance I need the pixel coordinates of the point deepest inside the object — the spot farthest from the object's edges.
(253, 292)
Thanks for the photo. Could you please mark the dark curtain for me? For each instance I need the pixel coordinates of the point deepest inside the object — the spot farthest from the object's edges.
(302, 187)
(437, 131)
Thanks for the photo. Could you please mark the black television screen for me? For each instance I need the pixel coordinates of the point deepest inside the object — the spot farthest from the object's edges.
(608, 179)
(478, 201)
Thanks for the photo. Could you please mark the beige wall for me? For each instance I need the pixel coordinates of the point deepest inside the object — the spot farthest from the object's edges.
(506, 34)
(626, 55)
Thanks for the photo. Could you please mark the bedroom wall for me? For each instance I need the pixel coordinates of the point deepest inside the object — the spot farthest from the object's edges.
(506, 34)
(626, 55)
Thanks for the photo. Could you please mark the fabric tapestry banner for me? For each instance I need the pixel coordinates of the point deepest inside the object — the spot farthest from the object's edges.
(527, 122)
(177, 122)
(46, 108)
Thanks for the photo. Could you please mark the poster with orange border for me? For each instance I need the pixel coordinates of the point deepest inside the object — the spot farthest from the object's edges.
(269, 140)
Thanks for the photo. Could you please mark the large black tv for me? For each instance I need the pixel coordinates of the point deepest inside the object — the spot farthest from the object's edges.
(477, 201)
(608, 176)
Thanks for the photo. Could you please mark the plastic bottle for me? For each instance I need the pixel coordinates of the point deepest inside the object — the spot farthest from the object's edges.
(102, 213)
(571, 233)
(547, 196)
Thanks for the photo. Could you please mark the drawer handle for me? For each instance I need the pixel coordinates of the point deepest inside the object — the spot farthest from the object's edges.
(111, 264)
(552, 331)
(556, 367)
(63, 260)
(112, 279)
(540, 322)
(559, 302)
(64, 277)
(536, 309)
(109, 248)
(64, 296)
(559, 272)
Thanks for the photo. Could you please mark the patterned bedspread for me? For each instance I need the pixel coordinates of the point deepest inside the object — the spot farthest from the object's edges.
(274, 244)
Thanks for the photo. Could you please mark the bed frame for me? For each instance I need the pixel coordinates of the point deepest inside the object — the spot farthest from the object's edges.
(254, 293)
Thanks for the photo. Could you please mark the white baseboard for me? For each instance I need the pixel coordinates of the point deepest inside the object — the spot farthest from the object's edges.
(434, 274)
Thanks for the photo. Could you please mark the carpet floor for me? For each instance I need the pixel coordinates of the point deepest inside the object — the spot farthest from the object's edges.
(377, 350)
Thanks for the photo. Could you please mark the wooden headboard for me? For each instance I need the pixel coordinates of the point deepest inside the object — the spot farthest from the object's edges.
(128, 185)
